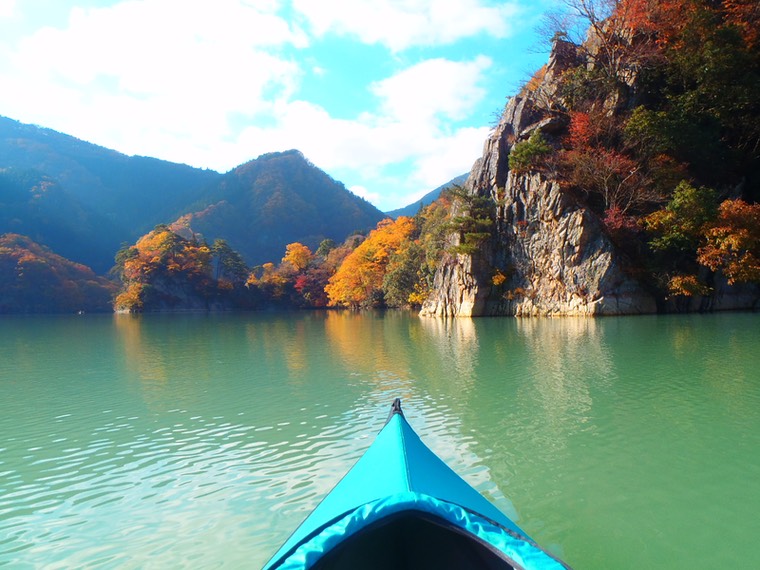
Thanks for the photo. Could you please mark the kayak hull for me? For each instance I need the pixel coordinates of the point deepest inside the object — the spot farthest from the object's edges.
(401, 506)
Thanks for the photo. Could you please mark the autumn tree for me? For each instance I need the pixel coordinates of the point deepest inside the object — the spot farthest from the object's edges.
(359, 279)
(311, 284)
(229, 264)
(611, 176)
(733, 242)
(269, 281)
(298, 256)
(675, 233)
(680, 226)
(403, 282)
(613, 36)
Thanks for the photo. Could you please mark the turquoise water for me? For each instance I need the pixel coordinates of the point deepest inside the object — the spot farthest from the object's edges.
(202, 440)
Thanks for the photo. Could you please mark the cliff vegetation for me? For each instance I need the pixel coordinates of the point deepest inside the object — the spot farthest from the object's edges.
(624, 176)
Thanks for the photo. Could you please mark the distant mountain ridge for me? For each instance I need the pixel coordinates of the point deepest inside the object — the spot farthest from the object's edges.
(116, 197)
(84, 201)
(428, 198)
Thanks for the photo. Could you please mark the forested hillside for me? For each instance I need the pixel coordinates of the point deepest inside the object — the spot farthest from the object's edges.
(33, 279)
(279, 198)
(35, 205)
(624, 176)
(107, 198)
(86, 202)
(413, 208)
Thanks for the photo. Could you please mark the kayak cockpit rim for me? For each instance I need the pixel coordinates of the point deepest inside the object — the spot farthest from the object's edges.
(369, 534)
(414, 531)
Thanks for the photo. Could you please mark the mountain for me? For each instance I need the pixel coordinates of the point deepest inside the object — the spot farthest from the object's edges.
(84, 201)
(428, 198)
(111, 197)
(36, 205)
(33, 279)
(276, 199)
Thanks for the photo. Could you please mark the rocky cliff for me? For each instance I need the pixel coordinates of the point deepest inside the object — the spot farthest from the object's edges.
(548, 253)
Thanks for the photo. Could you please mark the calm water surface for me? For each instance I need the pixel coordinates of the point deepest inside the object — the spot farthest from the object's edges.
(202, 441)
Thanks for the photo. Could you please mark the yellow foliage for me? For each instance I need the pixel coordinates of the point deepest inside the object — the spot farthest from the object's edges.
(361, 273)
(130, 299)
(536, 80)
(687, 286)
(418, 296)
(498, 278)
(733, 243)
(298, 255)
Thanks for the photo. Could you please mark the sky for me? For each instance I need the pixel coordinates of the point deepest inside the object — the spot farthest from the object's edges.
(390, 97)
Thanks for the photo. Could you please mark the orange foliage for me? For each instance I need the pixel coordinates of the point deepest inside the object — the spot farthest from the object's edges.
(635, 15)
(298, 255)
(34, 279)
(687, 286)
(609, 174)
(162, 257)
(164, 251)
(360, 276)
(536, 80)
(733, 243)
(672, 17)
(130, 299)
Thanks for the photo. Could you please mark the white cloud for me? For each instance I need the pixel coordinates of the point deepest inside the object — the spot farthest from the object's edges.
(140, 78)
(141, 65)
(7, 8)
(434, 86)
(362, 192)
(400, 24)
(407, 128)
(451, 156)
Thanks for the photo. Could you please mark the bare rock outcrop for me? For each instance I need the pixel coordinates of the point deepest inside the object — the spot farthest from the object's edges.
(554, 256)
(549, 254)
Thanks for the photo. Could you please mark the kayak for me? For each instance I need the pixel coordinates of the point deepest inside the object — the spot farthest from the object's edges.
(400, 506)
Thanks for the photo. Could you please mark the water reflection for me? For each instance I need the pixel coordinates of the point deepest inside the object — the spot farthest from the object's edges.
(566, 355)
(456, 349)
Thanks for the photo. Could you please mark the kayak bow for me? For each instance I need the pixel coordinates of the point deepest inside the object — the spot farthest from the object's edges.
(400, 506)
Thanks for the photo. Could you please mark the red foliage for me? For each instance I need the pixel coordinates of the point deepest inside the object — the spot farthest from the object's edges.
(616, 221)
(300, 283)
(579, 130)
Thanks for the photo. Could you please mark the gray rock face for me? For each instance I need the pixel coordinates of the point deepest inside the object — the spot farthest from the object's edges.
(554, 255)
(549, 251)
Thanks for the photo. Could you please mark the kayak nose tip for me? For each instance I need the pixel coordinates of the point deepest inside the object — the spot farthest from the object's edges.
(395, 409)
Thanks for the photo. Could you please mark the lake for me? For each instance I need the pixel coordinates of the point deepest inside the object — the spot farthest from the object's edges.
(201, 441)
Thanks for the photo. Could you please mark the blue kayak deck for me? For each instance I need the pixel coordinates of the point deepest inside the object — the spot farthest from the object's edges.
(401, 497)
